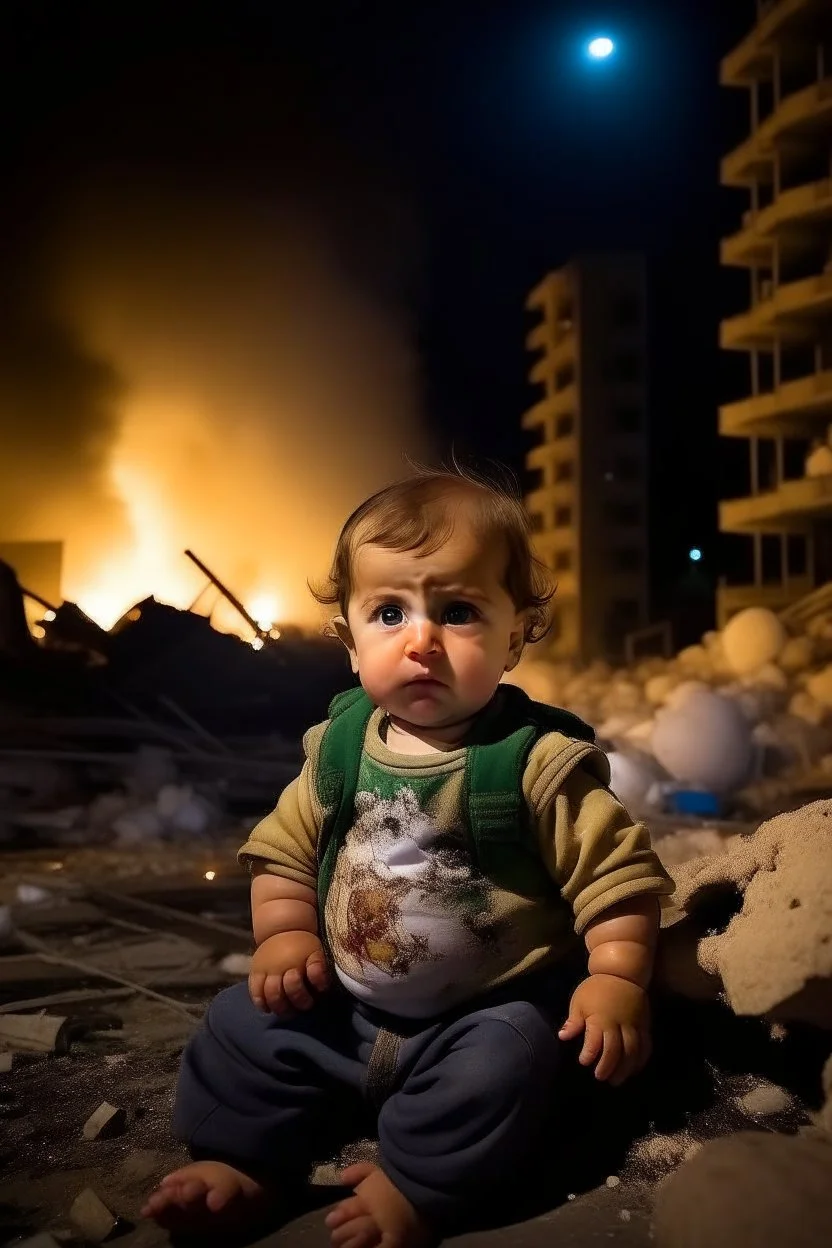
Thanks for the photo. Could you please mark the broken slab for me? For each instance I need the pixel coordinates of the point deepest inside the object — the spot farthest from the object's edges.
(107, 1122)
(35, 1033)
(92, 1217)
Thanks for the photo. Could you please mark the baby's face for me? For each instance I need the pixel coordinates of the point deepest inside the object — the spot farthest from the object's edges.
(432, 634)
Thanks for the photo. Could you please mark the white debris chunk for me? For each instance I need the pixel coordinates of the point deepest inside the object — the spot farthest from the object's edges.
(92, 1217)
(751, 639)
(613, 1181)
(35, 1033)
(705, 742)
(42, 1240)
(766, 1098)
(106, 1122)
(625, 1215)
(236, 964)
(32, 894)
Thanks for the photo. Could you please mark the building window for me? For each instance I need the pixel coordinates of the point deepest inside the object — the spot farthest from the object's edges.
(624, 514)
(565, 470)
(563, 517)
(625, 611)
(626, 468)
(537, 435)
(626, 311)
(625, 367)
(565, 426)
(627, 559)
(564, 377)
(628, 419)
(563, 560)
(535, 478)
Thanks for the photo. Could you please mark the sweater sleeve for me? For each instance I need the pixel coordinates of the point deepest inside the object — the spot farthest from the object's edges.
(286, 841)
(592, 848)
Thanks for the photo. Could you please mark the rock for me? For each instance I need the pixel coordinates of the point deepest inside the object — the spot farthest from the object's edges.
(32, 894)
(804, 706)
(105, 1123)
(704, 741)
(749, 1190)
(772, 956)
(6, 1062)
(659, 688)
(751, 639)
(633, 774)
(797, 655)
(765, 1099)
(43, 1240)
(819, 687)
(236, 964)
(35, 1033)
(92, 1217)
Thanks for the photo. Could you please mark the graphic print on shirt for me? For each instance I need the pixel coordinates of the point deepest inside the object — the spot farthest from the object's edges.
(406, 895)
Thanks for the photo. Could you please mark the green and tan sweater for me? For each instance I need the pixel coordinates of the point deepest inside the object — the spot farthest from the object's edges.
(413, 926)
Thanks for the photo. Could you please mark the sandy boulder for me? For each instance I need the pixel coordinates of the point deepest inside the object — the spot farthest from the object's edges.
(755, 923)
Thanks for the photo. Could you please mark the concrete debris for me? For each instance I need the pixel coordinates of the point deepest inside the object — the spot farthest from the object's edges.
(613, 1181)
(236, 964)
(107, 1122)
(35, 1033)
(92, 1217)
(751, 703)
(32, 895)
(43, 1240)
(763, 1100)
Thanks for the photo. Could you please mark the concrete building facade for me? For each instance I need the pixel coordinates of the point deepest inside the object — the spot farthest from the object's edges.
(785, 243)
(587, 468)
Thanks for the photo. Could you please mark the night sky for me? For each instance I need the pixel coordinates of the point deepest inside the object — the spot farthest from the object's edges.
(454, 151)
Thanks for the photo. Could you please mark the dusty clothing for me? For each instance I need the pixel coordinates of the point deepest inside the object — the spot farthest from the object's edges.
(461, 1100)
(413, 926)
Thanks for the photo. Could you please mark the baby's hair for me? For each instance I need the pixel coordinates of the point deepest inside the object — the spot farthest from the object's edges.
(419, 513)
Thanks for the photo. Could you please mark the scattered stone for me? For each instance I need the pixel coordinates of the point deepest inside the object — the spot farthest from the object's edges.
(765, 1099)
(35, 1033)
(33, 894)
(613, 1181)
(42, 1240)
(92, 1217)
(625, 1215)
(106, 1122)
(236, 964)
(115, 1059)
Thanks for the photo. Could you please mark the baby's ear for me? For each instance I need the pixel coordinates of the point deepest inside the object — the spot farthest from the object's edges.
(517, 643)
(342, 631)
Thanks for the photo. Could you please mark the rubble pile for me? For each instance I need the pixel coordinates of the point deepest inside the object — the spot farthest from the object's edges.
(744, 717)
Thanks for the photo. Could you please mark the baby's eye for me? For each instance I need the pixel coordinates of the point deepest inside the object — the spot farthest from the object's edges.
(459, 613)
(390, 616)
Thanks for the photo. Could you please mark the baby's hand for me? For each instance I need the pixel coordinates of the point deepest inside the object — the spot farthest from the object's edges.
(283, 968)
(614, 1015)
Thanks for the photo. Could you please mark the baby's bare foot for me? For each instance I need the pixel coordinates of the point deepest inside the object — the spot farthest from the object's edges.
(206, 1195)
(377, 1216)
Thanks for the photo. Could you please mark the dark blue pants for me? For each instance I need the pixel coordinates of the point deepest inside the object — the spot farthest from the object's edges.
(462, 1100)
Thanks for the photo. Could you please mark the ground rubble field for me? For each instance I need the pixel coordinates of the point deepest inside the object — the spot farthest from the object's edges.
(129, 954)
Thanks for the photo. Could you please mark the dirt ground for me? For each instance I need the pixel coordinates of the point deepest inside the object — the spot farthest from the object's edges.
(593, 1182)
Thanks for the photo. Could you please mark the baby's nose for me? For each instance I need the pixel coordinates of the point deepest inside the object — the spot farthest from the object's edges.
(422, 638)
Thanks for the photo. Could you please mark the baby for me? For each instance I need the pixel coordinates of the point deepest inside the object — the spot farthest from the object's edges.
(416, 900)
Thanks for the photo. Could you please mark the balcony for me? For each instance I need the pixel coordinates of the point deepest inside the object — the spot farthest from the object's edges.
(789, 508)
(792, 217)
(805, 112)
(552, 451)
(776, 597)
(792, 313)
(796, 409)
(544, 369)
(751, 60)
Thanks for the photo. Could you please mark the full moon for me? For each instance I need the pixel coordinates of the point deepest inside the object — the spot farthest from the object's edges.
(601, 48)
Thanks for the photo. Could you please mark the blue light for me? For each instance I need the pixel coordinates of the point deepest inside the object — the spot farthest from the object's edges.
(600, 48)
(695, 555)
